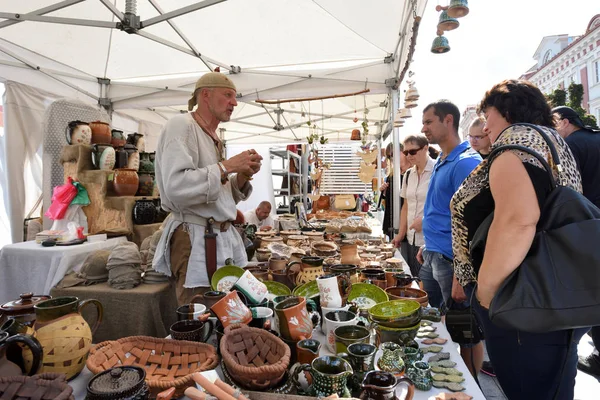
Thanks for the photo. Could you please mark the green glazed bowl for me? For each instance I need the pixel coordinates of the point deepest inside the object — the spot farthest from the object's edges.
(366, 295)
(396, 313)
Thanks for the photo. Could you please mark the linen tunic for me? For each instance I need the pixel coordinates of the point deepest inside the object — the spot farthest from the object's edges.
(414, 191)
(189, 182)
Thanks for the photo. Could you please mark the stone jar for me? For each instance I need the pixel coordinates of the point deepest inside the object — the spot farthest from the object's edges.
(146, 184)
(65, 336)
(144, 212)
(125, 182)
(100, 132)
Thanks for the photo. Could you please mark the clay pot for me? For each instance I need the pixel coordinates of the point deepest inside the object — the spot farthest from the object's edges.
(144, 212)
(126, 182)
(350, 254)
(118, 138)
(22, 309)
(100, 132)
(78, 132)
(146, 185)
(268, 240)
(64, 335)
(103, 157)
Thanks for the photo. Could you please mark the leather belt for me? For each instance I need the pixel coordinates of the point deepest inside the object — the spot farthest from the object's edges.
(198, 220)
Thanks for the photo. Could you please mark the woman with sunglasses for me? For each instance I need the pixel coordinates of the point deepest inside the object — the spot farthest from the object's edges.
(387, 188)
(414, 192)
(479, 137)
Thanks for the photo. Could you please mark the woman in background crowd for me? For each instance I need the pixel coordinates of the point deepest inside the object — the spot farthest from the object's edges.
(479, 138)
(414, 192)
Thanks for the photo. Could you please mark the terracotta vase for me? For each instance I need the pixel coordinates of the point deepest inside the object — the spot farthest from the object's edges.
(350, 254)
(146, 185)
(100, 132)
(126, 182)
(64, 335)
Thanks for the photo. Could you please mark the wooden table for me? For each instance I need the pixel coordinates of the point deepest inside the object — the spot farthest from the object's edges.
(147, 310)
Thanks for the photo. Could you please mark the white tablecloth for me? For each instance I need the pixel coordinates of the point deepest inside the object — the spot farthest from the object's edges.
(30, 267)
(471, 388)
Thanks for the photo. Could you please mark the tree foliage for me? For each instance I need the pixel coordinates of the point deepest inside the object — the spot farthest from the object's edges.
(559, 98)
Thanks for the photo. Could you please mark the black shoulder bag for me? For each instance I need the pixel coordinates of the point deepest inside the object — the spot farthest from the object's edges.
(557, 286)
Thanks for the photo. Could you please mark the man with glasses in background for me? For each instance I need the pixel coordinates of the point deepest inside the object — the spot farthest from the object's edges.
(479, 139)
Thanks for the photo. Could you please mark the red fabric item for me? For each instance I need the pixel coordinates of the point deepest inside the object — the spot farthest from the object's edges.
(61, 199)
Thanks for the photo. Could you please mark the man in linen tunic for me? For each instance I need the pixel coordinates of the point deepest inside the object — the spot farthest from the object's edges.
(195, 185)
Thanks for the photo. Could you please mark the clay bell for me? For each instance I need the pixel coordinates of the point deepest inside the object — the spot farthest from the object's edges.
(458, 8)
(440, 45)
(447, 23)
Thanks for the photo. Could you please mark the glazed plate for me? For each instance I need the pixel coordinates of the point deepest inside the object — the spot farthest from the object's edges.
(225, 277)
(276, 289)
(308, 290)
(365, 295)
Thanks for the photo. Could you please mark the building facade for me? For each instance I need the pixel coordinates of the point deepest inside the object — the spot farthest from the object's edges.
(562, 59)
(467, 117)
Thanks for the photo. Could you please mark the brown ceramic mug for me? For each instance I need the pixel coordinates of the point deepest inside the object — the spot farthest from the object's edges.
(232, 310)
(208, 298)
(294, 320)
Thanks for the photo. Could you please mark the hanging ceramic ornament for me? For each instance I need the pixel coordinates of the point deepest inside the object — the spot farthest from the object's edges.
(366, 172)
(368, 156)
(440, 45)
(458, 8)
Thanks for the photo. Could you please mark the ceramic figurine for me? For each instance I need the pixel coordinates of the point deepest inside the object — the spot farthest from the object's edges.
(78, 132)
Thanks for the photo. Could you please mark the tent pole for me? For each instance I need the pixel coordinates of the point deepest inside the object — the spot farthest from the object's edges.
(397, 171)
(113, 9)
(40, 70)
(58, 20)
(42, 11)
(178, 32)
(180, 11)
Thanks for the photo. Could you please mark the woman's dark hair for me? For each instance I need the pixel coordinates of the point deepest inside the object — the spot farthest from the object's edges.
(433, 152)
(518, 101)
(419, 140)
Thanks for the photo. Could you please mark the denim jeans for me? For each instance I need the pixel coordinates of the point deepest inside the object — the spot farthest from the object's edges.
(531, 365)
(436, 275)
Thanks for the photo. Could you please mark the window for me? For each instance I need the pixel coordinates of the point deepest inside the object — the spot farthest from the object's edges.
(547, 57)
(597, 71)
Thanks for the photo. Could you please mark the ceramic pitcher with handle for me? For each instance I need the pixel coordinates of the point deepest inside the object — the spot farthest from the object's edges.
(65, 336)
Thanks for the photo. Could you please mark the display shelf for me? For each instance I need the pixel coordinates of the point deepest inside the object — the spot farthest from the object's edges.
(280, 167)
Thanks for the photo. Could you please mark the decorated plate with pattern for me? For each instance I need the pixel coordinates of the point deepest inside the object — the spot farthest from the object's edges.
(366, 295)
(225, 277)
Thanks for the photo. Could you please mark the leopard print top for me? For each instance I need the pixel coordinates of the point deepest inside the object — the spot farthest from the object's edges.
(475, 190)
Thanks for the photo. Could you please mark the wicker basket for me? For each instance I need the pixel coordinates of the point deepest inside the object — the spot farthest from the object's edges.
(48, 386)
(168, 363)
(255, 358)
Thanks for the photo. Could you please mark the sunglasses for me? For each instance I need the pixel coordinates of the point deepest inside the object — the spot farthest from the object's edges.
(412, 152)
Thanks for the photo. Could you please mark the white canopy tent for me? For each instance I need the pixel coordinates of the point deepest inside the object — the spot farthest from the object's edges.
(141, 59)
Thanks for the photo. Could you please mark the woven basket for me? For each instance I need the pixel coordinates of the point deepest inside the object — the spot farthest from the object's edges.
(48, 386)
(168, 363)
(255, 358)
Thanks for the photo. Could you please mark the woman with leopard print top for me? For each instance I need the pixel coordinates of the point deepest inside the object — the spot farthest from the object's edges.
(513, 187)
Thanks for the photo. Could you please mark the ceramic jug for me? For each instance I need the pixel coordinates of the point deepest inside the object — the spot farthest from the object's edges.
(65, 336)
(293, 318)
(391, 359)
(103, 156)
(8, 367)
(333, 289)
(78, 132)
(329, 376)
(420, 375)
(381, 385)
(310, 269)
(145, 164)
(118, 138)
(361, 357)
(120, 157)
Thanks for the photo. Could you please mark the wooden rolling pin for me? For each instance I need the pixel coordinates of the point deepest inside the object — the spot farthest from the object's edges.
(211, 387)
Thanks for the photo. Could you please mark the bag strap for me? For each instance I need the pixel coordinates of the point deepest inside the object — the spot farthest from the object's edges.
(535, 154)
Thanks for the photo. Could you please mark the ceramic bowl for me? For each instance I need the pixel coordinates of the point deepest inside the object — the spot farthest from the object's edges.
(396, 313)
(365, 295)
(404, 293)
(397, 335)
